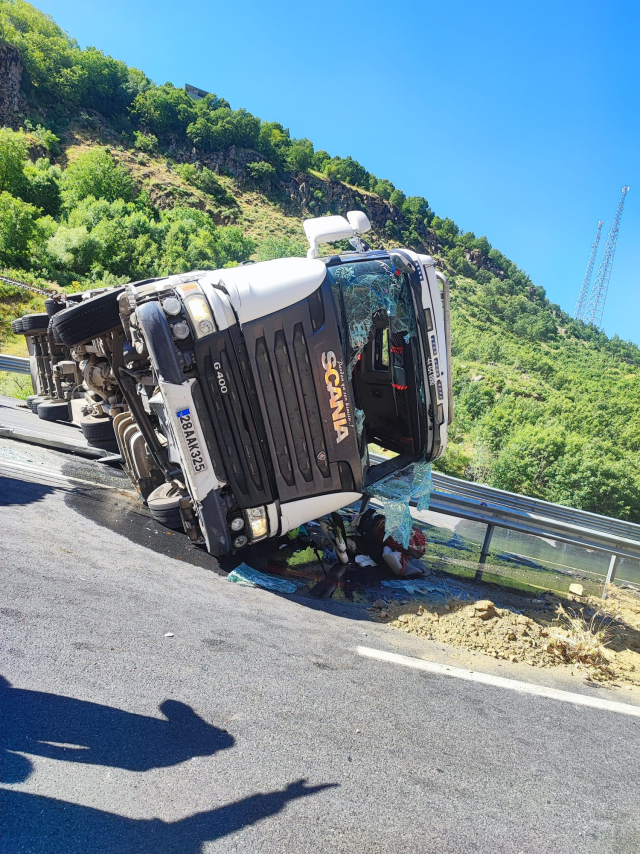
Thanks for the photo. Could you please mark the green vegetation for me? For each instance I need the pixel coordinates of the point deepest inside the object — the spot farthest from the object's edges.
(100, 185)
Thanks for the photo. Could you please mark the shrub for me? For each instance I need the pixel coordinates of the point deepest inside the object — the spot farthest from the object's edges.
(96, 173)
(17, 227)
(300, 154)
(205, 179)
(261, 172)
(147, 142)
(281, 247)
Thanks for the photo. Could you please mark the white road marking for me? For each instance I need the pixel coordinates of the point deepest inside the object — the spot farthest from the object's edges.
(51, 473)
(500, 682)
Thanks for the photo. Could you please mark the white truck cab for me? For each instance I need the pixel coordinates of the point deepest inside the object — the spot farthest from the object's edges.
(243, 400)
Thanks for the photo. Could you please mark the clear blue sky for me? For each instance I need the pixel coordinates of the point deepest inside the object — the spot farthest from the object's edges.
(518, 120)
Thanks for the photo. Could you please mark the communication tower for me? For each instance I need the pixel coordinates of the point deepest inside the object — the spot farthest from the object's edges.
(598, 295)
(583, 298)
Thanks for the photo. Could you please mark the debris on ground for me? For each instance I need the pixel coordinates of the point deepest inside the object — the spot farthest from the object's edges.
(402, 560)
(246, 576)
(599, 639)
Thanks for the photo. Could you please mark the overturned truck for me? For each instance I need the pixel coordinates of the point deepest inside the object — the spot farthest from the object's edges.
(243, 401)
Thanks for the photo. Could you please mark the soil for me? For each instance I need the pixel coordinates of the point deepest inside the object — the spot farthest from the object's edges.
(599, 639)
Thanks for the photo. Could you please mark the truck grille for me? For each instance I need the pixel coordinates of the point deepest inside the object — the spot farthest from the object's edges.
(280, 348)
(227, 386)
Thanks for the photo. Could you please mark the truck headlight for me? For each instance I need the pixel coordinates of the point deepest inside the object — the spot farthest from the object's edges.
(198, 309)
(257, 518)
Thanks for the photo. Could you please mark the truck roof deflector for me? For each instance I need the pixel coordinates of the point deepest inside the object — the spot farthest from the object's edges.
(327, 229)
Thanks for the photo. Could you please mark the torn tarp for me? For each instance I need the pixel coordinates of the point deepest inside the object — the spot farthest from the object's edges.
(246, 576)
(411, 483)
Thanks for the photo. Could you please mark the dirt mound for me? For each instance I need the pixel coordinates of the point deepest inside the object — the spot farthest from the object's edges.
(600, 639)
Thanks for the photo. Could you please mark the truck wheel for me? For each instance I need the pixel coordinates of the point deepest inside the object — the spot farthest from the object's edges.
(35, 404)
(164, 504)
(53, 306)
(16, 326)
(54, 410)
(35, 323)
(31, 398)
(99, 433)
(88, 319)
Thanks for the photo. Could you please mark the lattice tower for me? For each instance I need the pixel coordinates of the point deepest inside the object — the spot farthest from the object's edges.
(583, 298)
(598, 295)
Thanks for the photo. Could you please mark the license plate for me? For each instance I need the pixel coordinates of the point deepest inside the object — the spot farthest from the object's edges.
(191, 440)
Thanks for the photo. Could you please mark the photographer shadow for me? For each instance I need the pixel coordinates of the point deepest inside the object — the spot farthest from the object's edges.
(59, 727)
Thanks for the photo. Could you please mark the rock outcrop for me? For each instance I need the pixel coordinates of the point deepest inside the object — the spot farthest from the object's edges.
(11, 101)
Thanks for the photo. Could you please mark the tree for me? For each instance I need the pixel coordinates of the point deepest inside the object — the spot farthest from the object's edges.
(108, 85)
(348, 170)
(261, 172)
(164, 111)
(13, 157)
(319, 159)
(96, 173)
(42, 186)
(281, 247)
(300, 154)
(17, 227)
(73, 249)
(220, 129)
(382, 187)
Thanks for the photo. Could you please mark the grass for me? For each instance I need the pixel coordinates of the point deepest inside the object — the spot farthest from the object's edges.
(15, 385)
(584, 643)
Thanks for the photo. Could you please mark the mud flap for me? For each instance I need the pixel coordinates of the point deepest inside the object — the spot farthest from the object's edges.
(160, 344)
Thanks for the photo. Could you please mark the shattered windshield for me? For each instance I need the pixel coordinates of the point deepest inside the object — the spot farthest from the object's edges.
(374, 302)
(382, 350)
(367, 291)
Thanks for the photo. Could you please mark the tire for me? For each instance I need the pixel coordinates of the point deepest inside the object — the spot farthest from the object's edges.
(31, 398)
(89, 319)
(54, 410)
(97, 430)
(16, 326)
(164, 506)
(53, 306)
(35, 404)
(35, 323)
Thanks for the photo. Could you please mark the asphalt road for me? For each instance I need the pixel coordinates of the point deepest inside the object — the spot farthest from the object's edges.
(256, 726)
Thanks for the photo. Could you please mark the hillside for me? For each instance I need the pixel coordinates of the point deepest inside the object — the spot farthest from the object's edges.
(105, 177)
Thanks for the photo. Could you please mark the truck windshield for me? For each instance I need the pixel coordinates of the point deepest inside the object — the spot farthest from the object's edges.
(374, 302)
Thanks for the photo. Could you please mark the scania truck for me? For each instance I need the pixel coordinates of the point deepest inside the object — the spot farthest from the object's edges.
(243, 400)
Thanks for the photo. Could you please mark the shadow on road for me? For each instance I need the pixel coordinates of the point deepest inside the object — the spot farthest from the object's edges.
(14, 491)
(43, 825)
(59, 727)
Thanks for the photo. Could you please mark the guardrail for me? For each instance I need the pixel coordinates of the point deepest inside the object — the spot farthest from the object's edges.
(497, 508)
(14, 364)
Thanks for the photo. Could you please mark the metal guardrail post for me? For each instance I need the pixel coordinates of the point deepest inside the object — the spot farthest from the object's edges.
(486, 545)
(611, 574)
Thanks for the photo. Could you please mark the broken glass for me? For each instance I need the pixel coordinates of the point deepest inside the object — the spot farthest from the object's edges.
(396, 491)
(365, 289)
